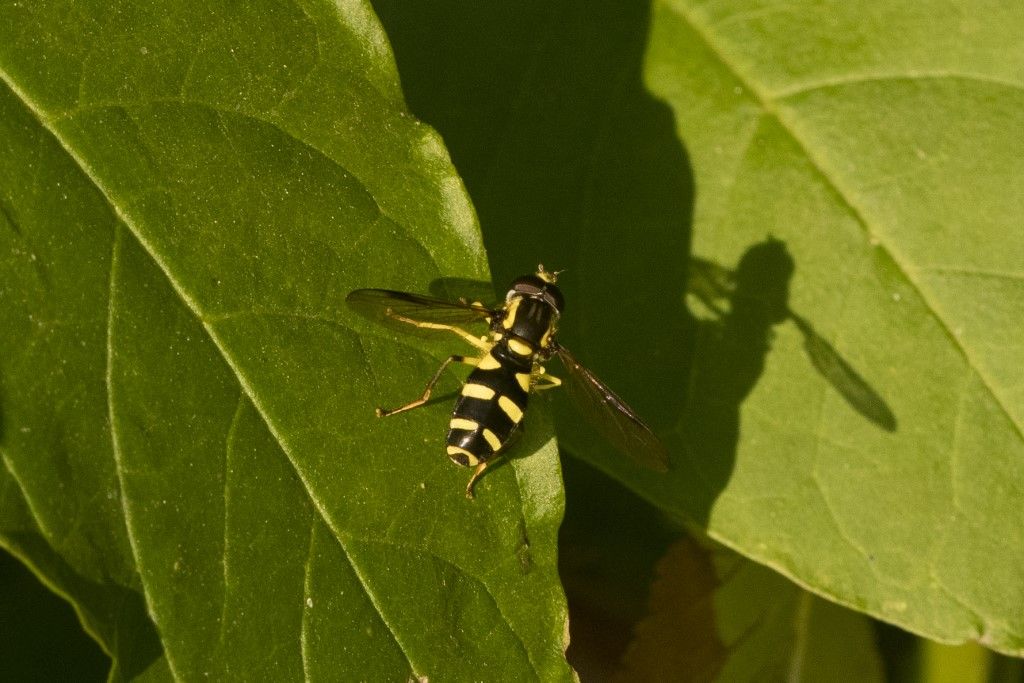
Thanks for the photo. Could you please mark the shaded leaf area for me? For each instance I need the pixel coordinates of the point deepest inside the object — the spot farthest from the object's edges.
(61, 506)
(609, 544)
(188, 193)
(880, 164)
(655, 604)
(113, 615)
(48, 642)
(715, 615)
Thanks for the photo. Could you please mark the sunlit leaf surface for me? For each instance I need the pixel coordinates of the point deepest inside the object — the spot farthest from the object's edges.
(882, 160)
(188, 192)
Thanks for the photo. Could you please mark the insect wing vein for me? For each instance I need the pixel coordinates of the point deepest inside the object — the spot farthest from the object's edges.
(611, 416)
(401, 310)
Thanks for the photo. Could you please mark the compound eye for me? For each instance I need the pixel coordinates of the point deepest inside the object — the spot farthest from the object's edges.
(527, 285)
(553, 295)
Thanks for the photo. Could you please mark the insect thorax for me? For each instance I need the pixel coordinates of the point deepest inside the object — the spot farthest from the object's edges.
(528, 320)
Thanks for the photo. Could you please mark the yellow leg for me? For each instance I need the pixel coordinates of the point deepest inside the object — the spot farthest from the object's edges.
(477, 473)
(384, 412)
(540, 380)
(479, 342)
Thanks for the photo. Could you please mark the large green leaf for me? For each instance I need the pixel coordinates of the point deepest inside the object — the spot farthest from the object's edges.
(883, 163)
(854, 417)
(188, 192)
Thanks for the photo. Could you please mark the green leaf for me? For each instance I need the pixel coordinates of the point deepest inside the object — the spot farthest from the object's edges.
(188, 193)
(873, 454)
(882, 164)
(46, 624)
(113, 615)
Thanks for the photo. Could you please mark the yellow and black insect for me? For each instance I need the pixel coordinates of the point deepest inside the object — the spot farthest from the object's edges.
(508, 368)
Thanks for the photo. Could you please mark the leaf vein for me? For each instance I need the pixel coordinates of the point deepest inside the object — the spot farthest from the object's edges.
(228, 451)
(119, 466)
(307, 590)
(974, 272)
(857, 79)
(220, 111)
(461, 570)
(197, 311)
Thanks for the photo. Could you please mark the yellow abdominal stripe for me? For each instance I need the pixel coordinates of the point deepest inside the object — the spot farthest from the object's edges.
(478, 391)
(492, 439)
(463, 423)
(514, 412)
(471, 426)
(489, 362)
(524, 380)
(470, 458)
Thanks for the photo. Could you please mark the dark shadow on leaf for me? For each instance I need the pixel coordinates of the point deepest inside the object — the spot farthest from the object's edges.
(44, 640)
(714, 285)
(850, 385)
(679, 637)
(120, 612)
(609, 544)
(729, 358)
(570, 162)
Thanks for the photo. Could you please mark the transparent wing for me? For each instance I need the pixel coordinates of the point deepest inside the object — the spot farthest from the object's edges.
(611, 417)
(463, 289)
(402, 310)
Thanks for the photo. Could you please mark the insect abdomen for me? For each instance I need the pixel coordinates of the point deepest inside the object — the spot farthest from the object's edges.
(490, 408)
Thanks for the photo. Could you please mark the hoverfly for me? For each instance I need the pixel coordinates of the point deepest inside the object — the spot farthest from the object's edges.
(507, 368)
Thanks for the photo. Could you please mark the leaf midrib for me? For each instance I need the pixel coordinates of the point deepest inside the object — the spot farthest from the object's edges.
(208, 321)
(196, 311)
(768, 105)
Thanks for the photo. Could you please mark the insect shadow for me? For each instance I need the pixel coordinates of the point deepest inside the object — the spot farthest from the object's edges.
(744, 290)
(730, 350)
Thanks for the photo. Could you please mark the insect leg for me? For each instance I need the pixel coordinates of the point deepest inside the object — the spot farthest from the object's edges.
(384, 412)
(478, 304)
(540, 380)
(477, 473)
(475, 341)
